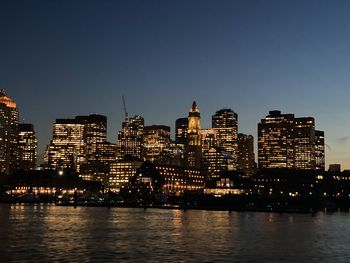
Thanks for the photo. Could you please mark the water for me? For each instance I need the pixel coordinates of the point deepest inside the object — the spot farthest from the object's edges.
(46, 233)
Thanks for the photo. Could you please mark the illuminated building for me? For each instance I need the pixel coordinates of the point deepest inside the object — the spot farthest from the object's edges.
(245, 153)
(67, 147)
(319, 150)
(304, 143)
(177, 179)
(156, 138)
(225, 124)
(276, 141)
(27, 147)
(120, 173)
(130, 138)
(8, 134)
(181, 126)
(288, 142)
(193, 149)
(208, 137)
(77, 141)
(174, 154)
(95, 136)
(215, 161)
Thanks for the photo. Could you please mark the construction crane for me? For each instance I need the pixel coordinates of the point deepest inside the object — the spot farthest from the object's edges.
(124, 105)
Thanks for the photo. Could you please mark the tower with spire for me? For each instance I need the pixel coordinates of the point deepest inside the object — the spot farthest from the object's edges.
(193, 144)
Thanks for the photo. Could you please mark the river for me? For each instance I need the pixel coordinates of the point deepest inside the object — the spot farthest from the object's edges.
(49, 233)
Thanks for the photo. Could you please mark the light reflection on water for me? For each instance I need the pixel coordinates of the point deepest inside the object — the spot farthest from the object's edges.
(43, 233)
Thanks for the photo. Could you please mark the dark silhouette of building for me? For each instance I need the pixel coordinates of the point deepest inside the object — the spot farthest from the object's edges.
(181, 126)
(245, 153)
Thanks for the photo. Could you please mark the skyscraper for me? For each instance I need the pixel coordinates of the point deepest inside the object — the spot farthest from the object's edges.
(27, 147)
(225, 124)
(77, 141)
(276, 141)
(193, 149)
(8, 134)
(304, 143)
(130, 138)
(245, 153)
(181, 127)
(319, 150)
(67, 147)
(288, 142)
(156, 138)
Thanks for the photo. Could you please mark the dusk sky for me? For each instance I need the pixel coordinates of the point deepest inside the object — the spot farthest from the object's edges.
(59, 59)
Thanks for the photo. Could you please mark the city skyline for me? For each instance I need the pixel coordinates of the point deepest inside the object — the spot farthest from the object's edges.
(80, 58)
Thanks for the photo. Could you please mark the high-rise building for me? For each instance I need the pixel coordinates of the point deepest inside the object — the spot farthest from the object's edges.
(181, 127)
(276, 141)
(67, 147)
(288, 142)
(27, 147)
(8, 134)
(156, 139)
(319, 150)
(77, 141)
(245, 153)
(215, 161)
(225, 124)
(95, 136)
(208, 137)
(193, 149)
(130, 138)
(304, 143)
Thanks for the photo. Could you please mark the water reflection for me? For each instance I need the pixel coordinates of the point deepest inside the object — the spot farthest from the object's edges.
(43, 233)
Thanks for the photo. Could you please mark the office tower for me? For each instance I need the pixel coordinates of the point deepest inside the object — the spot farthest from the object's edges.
(193, 149)
(174, 154)
(181, 126)
(95, 136)
(225, 124)
(77, 141)
(276, 141)
(245, 153)
(120, 173)
(208, 137)
(215, 161)
(67, 147)
(156, 139)
(8, 134)
(288, 142)
(319, 150)
(304, 143)
(27, 147)
(130, 138)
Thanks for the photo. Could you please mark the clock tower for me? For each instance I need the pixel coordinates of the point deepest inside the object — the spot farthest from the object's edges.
(193, 145)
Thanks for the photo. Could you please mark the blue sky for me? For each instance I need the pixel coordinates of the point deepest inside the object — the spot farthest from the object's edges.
(65, 58)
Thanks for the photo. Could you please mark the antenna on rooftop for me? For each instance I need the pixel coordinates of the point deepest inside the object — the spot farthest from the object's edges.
(124, 105)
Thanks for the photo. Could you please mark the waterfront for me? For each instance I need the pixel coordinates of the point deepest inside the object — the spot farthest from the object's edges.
(43, 233)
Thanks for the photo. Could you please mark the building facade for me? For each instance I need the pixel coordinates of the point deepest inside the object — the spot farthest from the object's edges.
(245, 153)
(288, 142)
(181, 127)
(156, 139)
(8, 134)
(130, 138)
(225, 124)
(27, 147)
(193, 148)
